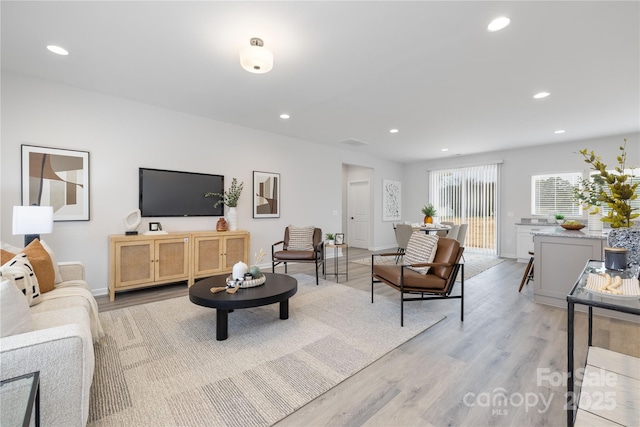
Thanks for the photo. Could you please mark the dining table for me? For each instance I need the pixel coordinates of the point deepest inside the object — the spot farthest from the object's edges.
(430, 229)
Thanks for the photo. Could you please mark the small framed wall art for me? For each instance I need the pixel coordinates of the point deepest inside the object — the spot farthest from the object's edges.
(59, 178)
(391, 193)
(266, 195)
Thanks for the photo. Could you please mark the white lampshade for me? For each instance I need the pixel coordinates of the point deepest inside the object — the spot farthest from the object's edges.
(256, 58)
(32, 219)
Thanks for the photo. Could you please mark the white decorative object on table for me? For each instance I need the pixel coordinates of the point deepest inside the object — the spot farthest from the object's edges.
(232, 219)
(594, 222)
(132, 220)
(239, 270)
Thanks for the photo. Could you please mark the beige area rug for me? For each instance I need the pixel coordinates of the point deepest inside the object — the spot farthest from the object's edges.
(160, 364)
(473, 263)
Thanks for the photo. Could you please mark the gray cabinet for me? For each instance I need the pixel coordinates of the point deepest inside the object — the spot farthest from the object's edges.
(559, 261)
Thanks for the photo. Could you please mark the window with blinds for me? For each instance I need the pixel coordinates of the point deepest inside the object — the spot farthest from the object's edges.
(553, 193)
(469, 196)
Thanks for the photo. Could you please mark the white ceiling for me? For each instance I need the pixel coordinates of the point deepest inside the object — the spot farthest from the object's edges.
(353, 69)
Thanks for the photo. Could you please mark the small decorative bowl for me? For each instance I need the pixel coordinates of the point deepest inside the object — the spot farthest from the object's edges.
(572, 226)
(249, 283)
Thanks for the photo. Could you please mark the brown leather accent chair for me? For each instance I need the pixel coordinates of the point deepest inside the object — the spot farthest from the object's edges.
(436, 284)
(285, 255)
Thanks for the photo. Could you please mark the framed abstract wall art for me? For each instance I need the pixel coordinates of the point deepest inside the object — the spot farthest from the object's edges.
(59, 178)
(266, 195)
(391, 200)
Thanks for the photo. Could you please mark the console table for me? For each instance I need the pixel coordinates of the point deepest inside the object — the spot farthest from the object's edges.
(149, 260)
(614, 398)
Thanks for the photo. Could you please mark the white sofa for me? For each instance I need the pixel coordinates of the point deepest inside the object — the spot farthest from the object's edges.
(60, 346)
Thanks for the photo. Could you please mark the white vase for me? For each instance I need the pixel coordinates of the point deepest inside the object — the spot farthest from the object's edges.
(232, 219)
(594, 222)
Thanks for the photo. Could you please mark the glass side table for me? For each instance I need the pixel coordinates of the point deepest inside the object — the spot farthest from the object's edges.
(336, 260)
(579, 295)
(20, 397)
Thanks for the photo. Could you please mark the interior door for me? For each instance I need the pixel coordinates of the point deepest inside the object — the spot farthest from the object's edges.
(359, 219)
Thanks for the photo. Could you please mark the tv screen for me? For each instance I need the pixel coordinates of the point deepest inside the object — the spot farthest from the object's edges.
(174, 193)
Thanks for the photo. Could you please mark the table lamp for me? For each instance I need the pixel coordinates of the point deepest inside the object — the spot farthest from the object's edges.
(32, 221)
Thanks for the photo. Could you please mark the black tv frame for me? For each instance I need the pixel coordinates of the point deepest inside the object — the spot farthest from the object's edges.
(178, 193)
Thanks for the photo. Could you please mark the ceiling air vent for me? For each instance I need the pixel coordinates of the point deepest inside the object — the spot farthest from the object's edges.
(353, 142)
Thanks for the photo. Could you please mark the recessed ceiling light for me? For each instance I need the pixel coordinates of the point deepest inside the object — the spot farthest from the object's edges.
(541, 95)
(284, 116)
(498, 24)
(393, 131)
(560, 131)
(444, 149)
(57, 50)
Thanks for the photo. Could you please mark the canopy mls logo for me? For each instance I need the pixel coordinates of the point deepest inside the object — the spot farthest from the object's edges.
(500, 401)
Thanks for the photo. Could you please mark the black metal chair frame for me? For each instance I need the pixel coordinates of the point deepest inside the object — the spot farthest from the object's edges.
(446, 294)
(318, 259)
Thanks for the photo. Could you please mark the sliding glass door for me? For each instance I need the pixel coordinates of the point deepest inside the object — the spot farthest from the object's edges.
(469, 196)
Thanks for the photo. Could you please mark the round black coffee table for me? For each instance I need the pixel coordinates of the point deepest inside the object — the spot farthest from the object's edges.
(277, 288)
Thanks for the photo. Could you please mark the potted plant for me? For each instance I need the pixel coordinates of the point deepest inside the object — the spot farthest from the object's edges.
(616, 191)
(559, 218)
(330, 237)
(620, 189)
(229, 198)
(429, 212)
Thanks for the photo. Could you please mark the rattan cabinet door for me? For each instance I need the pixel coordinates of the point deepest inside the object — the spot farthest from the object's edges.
(208, 256)
(236, 248)
(172, 259)
(134, 263)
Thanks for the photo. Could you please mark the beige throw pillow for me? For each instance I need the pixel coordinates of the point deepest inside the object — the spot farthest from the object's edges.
(42, 265)
(420, 249)
(301, 238)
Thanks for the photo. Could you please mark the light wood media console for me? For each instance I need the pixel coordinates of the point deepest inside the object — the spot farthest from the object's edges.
(150, 260)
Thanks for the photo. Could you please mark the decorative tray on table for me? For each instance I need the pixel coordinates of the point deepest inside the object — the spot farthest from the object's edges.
(627, 289)
(247, 283)
(572, 226)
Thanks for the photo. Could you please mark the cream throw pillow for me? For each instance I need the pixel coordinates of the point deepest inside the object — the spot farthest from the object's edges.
(301, 238)
(20, 272)
(54, 261)
(420, 249)
(15, 316)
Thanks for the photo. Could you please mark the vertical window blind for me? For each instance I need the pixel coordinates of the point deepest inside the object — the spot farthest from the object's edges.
(469, 196)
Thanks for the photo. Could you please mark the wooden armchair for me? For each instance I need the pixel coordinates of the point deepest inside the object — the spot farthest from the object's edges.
(437, 283)
(296, 252)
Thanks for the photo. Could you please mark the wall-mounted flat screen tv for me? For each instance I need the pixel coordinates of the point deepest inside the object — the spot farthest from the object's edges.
(175, 193)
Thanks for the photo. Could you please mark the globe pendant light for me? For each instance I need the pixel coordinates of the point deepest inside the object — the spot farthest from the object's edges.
(256, 58)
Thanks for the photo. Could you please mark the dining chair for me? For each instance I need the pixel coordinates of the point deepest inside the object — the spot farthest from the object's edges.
(403, 234)
(443, 233)
(462, 236)
(454, 231)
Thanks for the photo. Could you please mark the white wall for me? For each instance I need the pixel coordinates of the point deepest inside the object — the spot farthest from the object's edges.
(516, 170)
(122, 136)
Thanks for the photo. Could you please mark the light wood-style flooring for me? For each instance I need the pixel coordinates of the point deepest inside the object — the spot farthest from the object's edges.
(502, 366)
